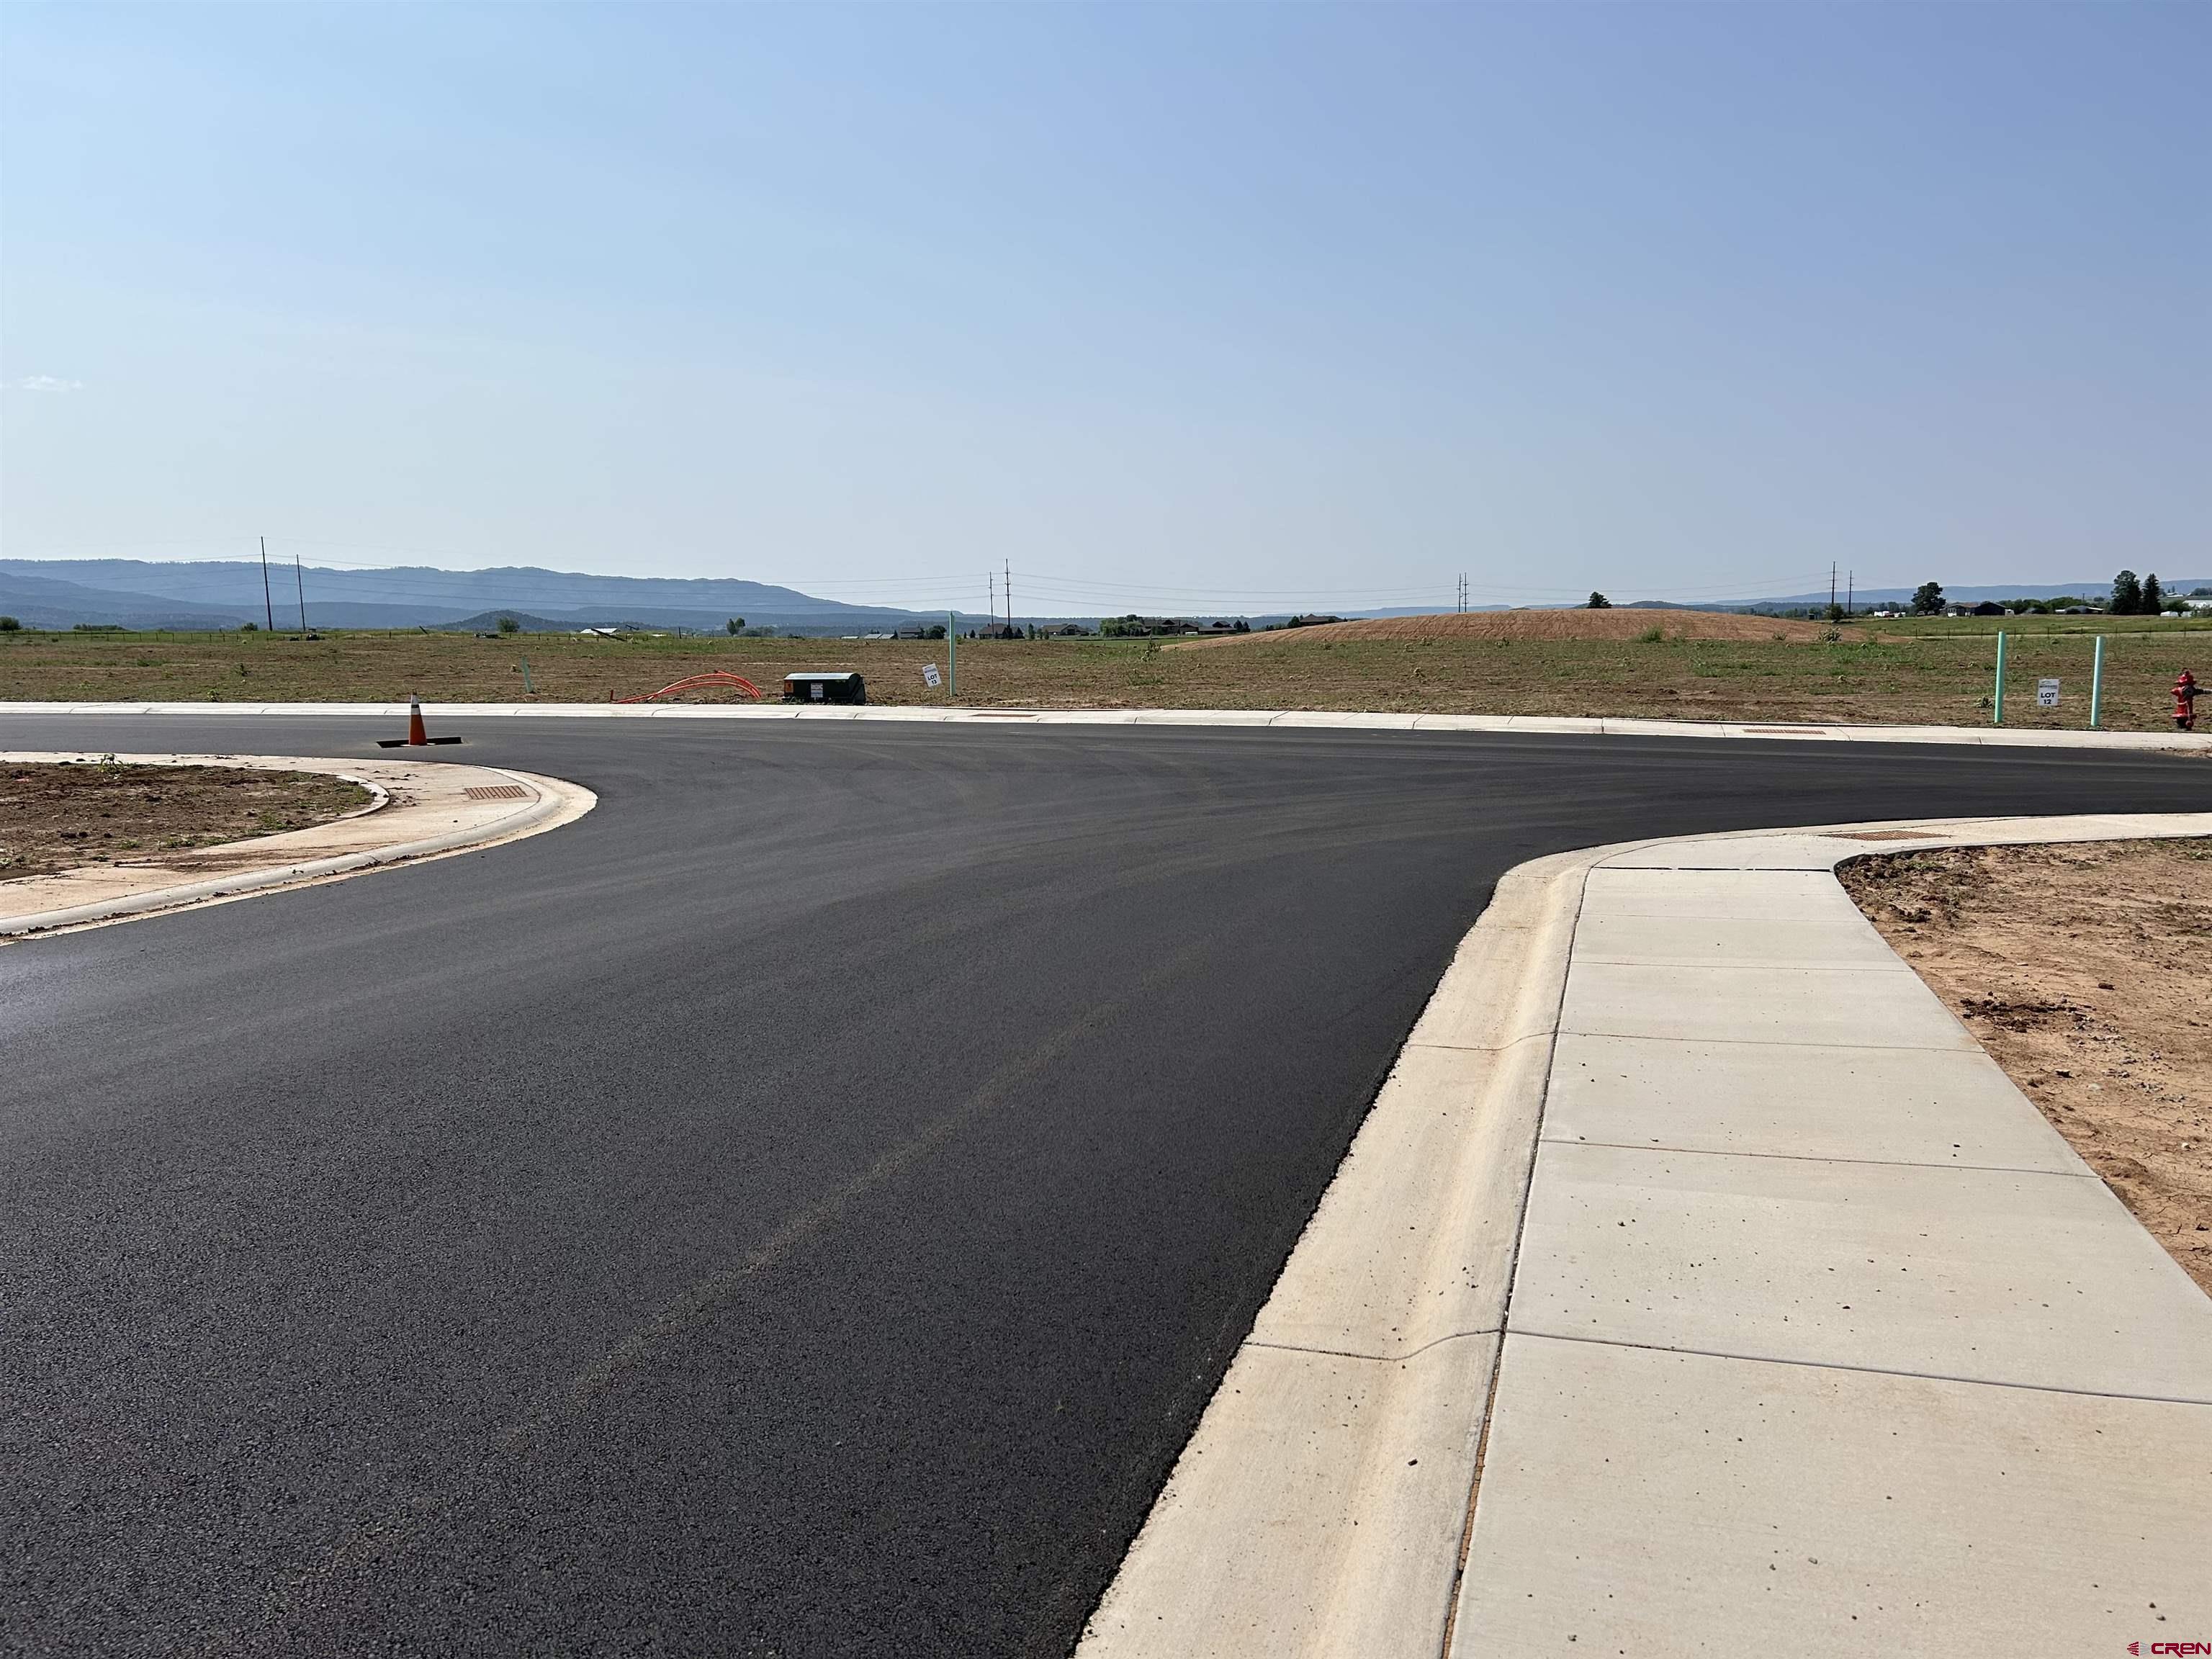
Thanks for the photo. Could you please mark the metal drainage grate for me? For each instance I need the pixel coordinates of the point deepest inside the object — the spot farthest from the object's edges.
(496, 792)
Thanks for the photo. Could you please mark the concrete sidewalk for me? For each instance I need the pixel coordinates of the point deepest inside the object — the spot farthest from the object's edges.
(1813, 1336)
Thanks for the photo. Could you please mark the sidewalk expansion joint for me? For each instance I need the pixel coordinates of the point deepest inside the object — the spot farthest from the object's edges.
(1721, 869)
(1694, 964)
(1775, 1043)
(1817, 1158)
(2201, 1402)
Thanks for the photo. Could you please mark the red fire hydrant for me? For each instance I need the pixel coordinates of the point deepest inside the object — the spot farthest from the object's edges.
(2185, 702)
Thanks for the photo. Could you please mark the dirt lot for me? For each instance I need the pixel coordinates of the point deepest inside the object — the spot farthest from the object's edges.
(1875, 672)
(2085, 971)
(57, 818)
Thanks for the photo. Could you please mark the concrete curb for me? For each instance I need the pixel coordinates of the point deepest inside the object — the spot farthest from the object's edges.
(1328, 1502)
(1320, 1505)
(550, 803)
(1302, 720)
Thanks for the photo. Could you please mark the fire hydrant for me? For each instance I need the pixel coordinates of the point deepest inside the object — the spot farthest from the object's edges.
(2185, 702)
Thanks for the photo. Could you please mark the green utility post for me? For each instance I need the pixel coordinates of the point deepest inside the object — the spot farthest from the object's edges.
(528, 690)
(2096, 686)
(1997, 719)
(952, 656)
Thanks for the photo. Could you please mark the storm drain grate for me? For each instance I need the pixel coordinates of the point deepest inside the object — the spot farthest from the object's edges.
(496, 792)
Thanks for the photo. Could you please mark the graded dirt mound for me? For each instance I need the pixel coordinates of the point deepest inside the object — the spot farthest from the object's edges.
(1617, 625)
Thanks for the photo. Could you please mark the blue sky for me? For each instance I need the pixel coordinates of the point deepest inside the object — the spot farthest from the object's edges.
(1219, 307)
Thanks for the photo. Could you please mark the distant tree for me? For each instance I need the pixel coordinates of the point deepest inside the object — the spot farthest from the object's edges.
(1834, 613)
(508, 625)
(1243, 627)
(936, 631)
(9, 625)
(735, 625)
(249, 628)
(1598, 602)
(1927, 599)
(2127, 594)
(2154, 597)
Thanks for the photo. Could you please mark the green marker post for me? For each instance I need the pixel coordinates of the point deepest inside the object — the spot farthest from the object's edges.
(2096, 686)
(952, 656)
(1997, 718)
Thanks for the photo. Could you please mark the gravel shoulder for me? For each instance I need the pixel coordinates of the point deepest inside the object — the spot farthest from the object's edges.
(63, 816)
(2085, 972)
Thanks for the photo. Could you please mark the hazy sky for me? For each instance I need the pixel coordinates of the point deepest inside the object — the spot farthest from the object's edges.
(1213, 307)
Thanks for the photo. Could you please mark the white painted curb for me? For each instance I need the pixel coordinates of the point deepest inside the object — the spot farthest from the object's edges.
(1304, 720)
(1326, 1501)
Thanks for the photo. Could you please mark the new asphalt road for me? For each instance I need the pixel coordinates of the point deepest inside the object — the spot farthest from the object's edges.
(800, 1209)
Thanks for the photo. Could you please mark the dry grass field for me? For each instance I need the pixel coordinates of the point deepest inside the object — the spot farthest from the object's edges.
(1879, 673)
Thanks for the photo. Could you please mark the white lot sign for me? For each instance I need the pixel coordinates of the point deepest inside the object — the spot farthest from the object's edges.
(930, 677)
(2046, 693)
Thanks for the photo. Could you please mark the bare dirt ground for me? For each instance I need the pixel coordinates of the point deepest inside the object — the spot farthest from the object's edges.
(1615, 625)
(2085, 971)
(54, 818)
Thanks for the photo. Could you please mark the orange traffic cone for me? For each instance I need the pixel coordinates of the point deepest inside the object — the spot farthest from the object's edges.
(416, 737)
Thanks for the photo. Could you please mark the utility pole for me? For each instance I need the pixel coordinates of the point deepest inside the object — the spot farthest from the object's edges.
(268, 605)
(300, 582)
(991, 578)
(1010, 596)
(1831, 587)
(1462, 594)
(1852, 594)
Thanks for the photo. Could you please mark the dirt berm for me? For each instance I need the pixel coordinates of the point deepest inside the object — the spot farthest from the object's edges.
(1617, 625)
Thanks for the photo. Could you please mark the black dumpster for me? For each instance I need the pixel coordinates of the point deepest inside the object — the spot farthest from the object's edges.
(843, 687)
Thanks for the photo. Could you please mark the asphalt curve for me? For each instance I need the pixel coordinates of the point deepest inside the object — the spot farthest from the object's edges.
(800, 1209)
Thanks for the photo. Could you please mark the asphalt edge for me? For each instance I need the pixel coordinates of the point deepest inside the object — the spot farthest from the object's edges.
(1276, 1530)
(554, 802)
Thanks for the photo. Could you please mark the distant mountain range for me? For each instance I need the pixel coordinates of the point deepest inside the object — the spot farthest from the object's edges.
(137, 594)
